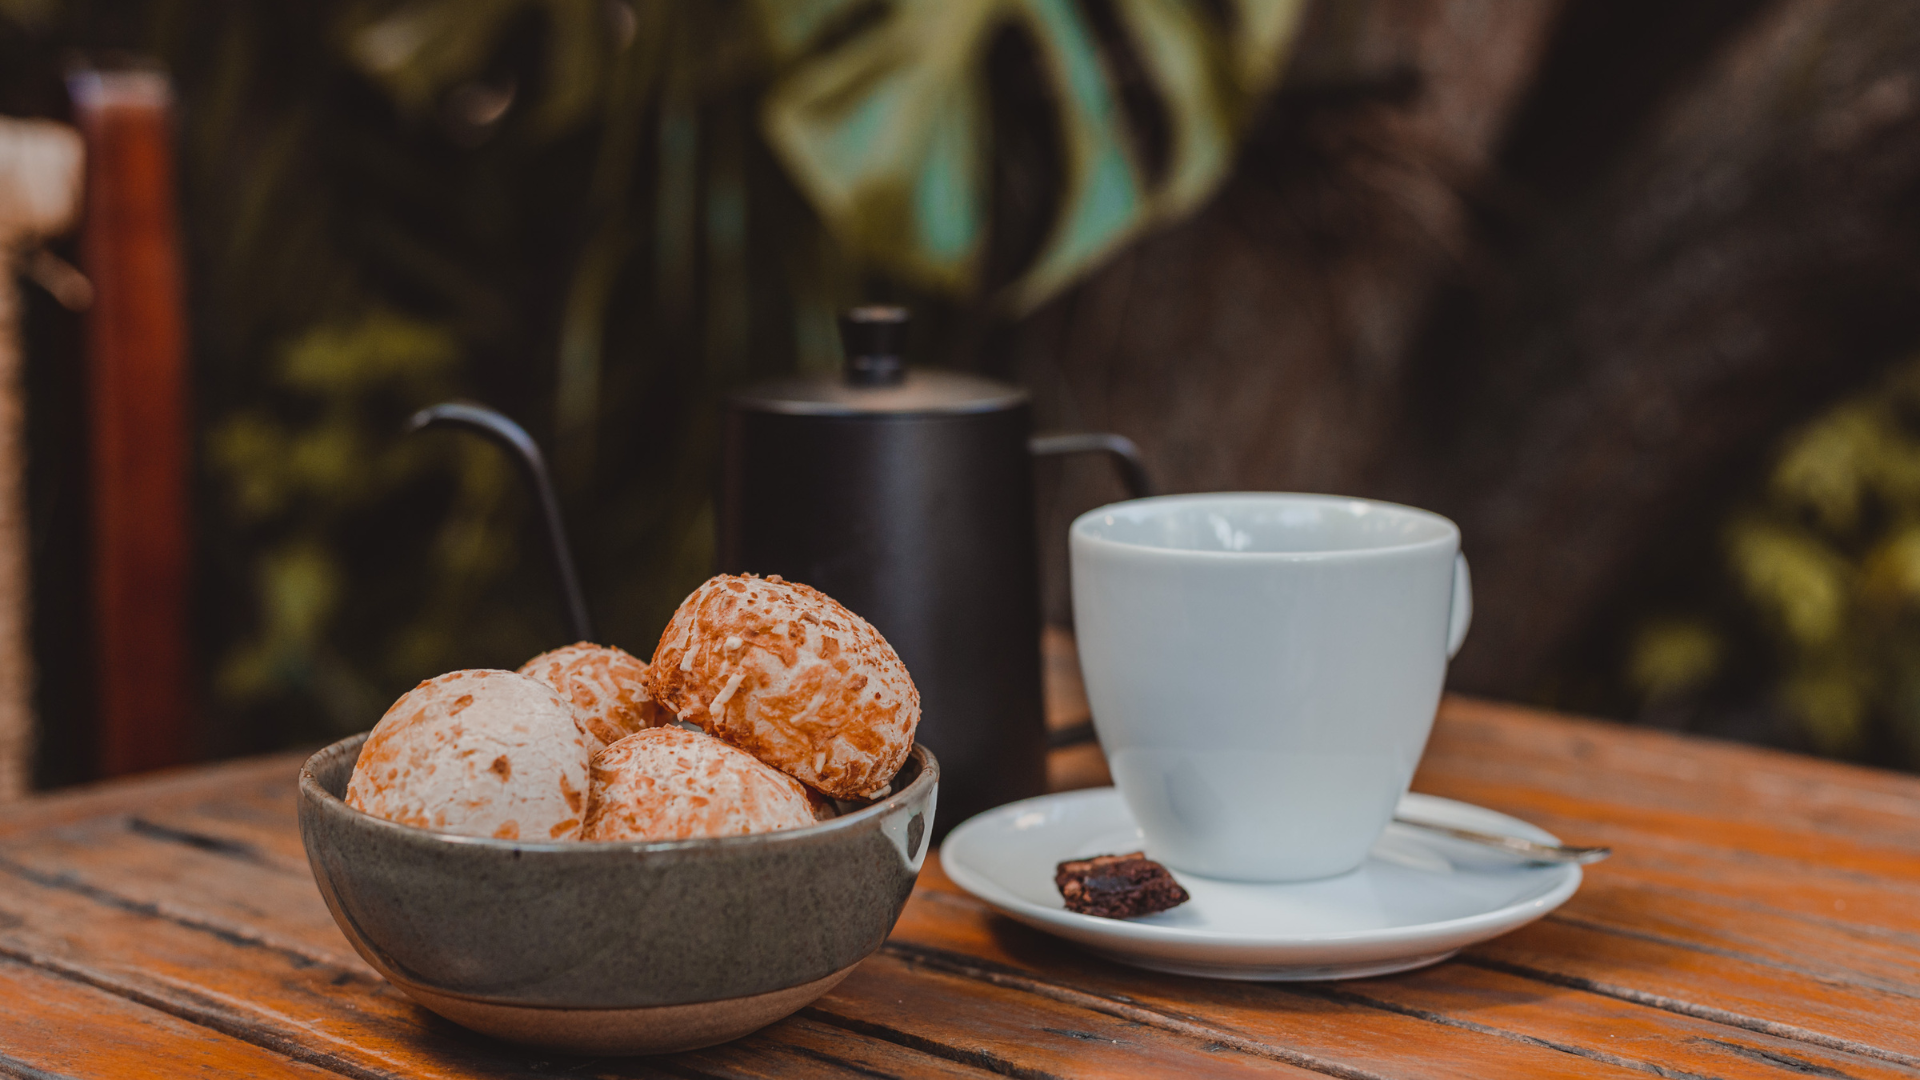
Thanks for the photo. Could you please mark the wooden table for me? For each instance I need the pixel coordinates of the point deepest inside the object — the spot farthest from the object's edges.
(1761, 919)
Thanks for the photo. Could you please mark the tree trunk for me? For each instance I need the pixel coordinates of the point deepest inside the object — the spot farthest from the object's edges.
(1746, 258)
(1266, 342)
(1563, 351)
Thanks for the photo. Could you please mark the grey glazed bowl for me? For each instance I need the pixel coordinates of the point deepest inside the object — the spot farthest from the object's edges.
(615, 947)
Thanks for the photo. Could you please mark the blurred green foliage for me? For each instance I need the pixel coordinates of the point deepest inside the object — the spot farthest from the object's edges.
(296, 486)
(1824, 568)
(884, 132)
(597, 215)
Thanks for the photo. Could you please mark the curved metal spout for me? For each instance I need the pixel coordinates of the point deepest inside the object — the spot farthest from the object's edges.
(533, 465)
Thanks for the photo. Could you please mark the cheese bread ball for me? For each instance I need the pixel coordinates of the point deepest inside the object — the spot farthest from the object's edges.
(788, 675)
(481, 753)
(668, 783)
(606, 686)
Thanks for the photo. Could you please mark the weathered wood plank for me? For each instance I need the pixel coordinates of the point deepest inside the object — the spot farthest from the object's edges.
(213, 784)
(1829, 950)
(207, 936)
(800, 1047)
(956, 923)
(900, 997)
(1077, 767)
(1466, 994)
(243, 983)
(1657, 771)
(1863, 890)
(1331, 1035)
(1713, 944)
(117, 861)
(1872, 1022)
(57, 1027)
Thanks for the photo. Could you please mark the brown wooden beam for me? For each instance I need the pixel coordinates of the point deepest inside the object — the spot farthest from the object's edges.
(140, 439)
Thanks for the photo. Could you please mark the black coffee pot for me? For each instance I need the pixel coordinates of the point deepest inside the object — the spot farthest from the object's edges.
(907, 495)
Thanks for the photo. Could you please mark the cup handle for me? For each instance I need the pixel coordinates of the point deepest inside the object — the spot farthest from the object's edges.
(1460, 613)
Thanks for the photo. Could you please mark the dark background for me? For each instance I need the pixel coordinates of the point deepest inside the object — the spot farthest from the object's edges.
(1626, 288)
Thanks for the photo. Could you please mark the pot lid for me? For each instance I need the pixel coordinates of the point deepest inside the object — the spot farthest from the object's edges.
(876, 380)
(918, 391)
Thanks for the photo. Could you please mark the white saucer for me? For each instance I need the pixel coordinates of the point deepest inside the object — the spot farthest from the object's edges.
(1417, 900)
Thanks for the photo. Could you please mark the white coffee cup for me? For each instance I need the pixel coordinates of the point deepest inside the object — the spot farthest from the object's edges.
(1263, 669)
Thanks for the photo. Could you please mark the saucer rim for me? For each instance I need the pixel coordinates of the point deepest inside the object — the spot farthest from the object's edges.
(1466, 928)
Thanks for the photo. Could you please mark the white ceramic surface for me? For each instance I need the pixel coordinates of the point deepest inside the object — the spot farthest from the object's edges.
(1415, 900)
(1263, 669)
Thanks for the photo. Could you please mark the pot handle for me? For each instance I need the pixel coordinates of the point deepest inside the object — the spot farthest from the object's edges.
(1126, 456)
(520, 446)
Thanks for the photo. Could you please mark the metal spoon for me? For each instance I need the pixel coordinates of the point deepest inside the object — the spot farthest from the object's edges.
(1530, 850)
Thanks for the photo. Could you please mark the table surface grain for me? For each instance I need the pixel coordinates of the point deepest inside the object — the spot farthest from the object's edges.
(1761, 918)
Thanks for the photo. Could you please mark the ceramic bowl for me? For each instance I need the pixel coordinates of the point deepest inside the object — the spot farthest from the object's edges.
(615, 947)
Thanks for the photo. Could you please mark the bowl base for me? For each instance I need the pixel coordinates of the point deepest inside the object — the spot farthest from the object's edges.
(652, 1029)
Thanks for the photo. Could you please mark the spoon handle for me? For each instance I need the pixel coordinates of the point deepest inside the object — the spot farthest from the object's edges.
(1530, 850)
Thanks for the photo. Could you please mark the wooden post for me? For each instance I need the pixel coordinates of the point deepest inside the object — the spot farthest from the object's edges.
(140, 437)
(40, 164)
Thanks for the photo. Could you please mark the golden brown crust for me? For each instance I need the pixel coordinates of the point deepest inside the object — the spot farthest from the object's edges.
(668, 783)
(482, 753)
(606, 686)
(784, 672)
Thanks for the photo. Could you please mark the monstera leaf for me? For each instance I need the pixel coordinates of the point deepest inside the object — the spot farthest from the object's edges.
(885, 128)
(880, 114)
(419, 49)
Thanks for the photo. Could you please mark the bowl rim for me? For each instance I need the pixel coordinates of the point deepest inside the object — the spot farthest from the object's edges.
(311, 788)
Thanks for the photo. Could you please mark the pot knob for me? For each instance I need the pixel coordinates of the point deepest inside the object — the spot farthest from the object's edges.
(874, 338)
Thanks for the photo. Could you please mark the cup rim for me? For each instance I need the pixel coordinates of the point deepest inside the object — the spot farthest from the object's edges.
(1081, 531)
(316, 793)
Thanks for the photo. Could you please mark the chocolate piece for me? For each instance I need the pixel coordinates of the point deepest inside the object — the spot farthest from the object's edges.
(1117, 886)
